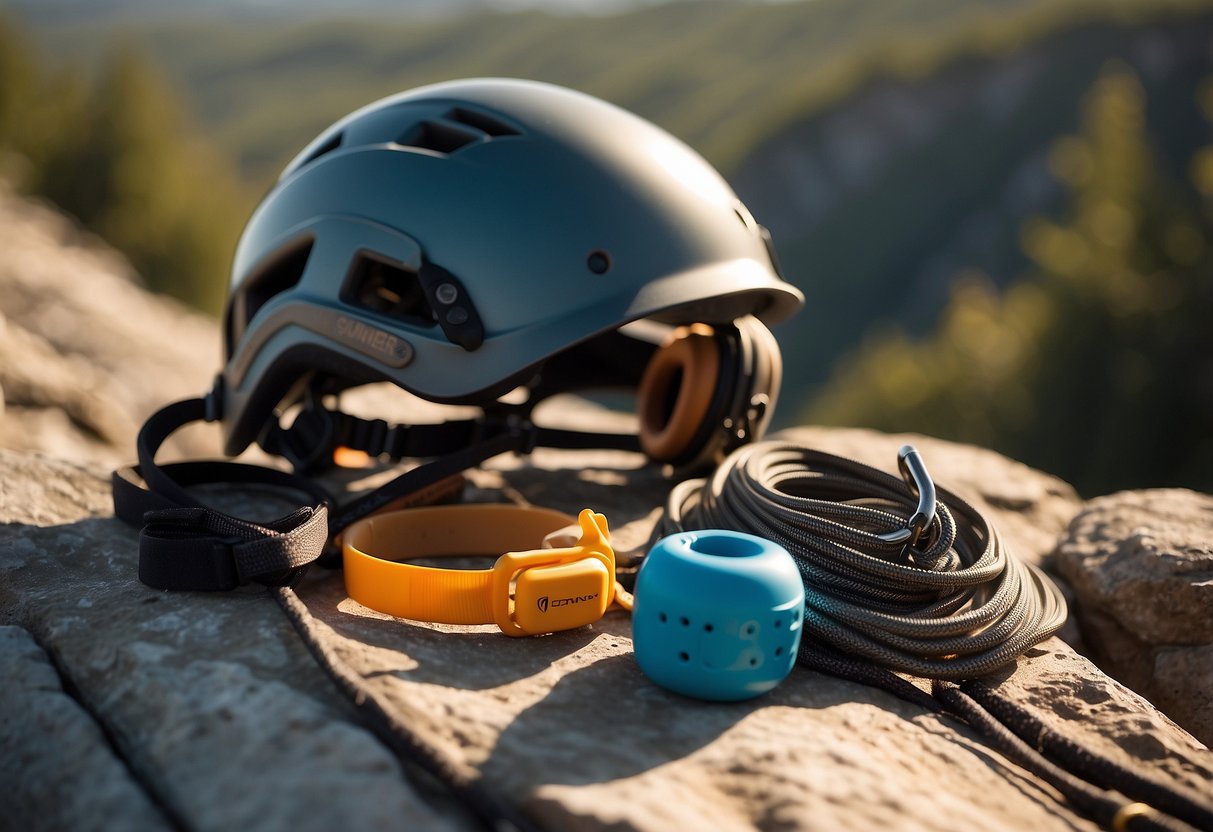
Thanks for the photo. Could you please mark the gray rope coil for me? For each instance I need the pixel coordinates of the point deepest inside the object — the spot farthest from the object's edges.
(952, 606)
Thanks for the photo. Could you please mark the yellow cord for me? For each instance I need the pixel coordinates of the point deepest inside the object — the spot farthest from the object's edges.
(623, 598)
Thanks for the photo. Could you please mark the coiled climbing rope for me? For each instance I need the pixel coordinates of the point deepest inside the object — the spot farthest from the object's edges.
(937, 596)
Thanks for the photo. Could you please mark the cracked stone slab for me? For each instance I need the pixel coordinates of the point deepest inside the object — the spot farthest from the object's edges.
(564, 726)
(568, 726)
(211, 699)
(58, 769)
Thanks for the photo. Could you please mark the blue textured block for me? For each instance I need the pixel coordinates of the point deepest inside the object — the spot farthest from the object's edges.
(718, 614)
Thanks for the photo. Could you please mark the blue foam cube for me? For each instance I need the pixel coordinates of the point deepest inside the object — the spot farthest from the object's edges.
(718, 614)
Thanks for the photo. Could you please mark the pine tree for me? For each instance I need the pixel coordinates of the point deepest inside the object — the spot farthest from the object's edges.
(120, 157)
(1097, 365)
(140, 181)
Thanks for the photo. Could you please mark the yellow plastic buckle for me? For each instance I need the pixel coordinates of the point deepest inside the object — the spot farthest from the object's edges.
(556, 589)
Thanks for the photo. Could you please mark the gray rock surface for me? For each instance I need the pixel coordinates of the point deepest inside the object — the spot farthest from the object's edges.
(52, 748)
(212, 701)
(1141, 566)
(212, 709)
(564, 726)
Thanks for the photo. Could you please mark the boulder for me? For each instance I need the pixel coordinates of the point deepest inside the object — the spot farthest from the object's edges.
(52, 746)
(1141, 567)
(564, 727)
(86, 353)
(207, 711)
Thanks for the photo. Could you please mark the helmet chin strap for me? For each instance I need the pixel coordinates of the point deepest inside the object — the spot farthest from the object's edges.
(453, 446)
(187, 545)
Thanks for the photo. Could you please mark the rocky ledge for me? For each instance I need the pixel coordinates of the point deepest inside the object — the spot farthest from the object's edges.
(127, 707)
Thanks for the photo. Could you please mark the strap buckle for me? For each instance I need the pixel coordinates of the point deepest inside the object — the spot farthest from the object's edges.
(515, 424)
(918, 481)
(308, 443)
(556, 589)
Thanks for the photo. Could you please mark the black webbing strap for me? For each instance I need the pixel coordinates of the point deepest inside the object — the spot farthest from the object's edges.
(202, 549)
(309, 441)
(193, 547)
(425, 475)
(576, 440)
(185, 545)
(502, 437)
(317, 430)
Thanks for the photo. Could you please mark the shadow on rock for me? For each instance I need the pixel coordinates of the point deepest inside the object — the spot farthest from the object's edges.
(478, 660)
(607, 721)
(624, 494)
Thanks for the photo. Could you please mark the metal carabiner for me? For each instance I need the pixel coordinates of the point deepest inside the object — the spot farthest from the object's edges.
(919, 482)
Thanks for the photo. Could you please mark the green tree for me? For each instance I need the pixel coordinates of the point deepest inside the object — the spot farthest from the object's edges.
(39, 112)
(120, 156)
(1097, 365)
(16, 83)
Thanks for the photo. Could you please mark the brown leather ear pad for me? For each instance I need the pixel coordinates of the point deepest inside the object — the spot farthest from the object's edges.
(676, 391)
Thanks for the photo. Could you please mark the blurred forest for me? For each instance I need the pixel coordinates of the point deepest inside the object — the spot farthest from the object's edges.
(999, 212)
(1097, 361)
(114, 149)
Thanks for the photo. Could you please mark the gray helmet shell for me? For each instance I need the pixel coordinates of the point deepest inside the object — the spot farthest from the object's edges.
(552, 217)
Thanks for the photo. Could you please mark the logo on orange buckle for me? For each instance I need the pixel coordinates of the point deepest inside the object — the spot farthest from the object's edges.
(556, 589)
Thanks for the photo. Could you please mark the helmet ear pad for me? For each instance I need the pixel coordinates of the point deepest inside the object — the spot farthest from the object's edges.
(675, 395)
(707, 390)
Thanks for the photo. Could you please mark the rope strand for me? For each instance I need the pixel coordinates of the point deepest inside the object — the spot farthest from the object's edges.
(953, 607)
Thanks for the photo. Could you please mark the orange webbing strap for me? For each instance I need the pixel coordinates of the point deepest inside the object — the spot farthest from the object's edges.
(377, 577)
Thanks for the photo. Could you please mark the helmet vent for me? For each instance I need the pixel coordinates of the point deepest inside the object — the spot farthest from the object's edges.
(457, 128)
(482, 122)
(329, 146)
(283, 273)
(439, 136)
(389, 290)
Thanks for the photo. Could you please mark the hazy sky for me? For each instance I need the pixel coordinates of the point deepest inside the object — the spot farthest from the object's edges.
(96, 10)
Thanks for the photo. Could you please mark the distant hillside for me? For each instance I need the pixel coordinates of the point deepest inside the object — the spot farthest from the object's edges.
(110, 11)
(889, 144)
(724, 76)
(881, 200)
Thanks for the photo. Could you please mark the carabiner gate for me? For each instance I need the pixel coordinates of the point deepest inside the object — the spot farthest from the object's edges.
(919, 482)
